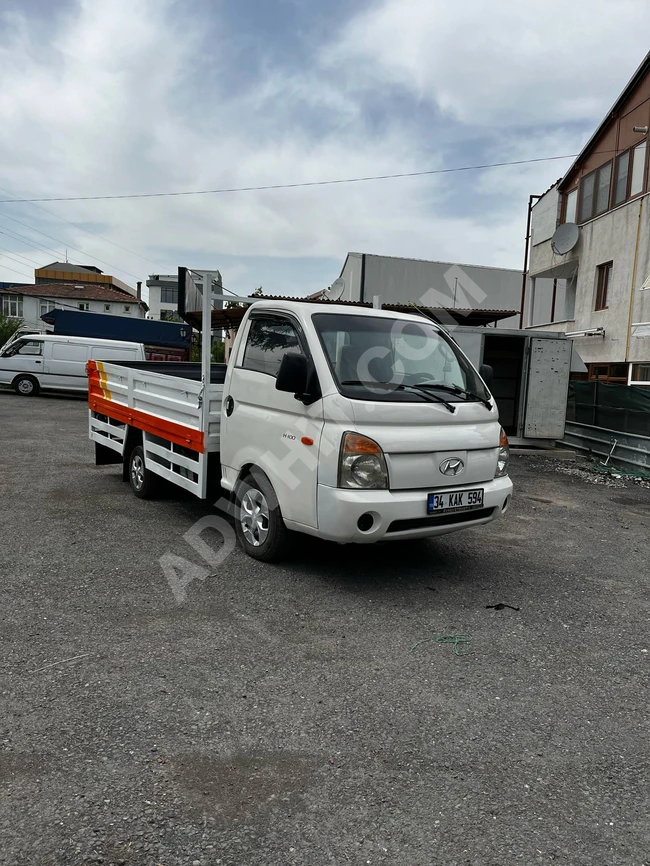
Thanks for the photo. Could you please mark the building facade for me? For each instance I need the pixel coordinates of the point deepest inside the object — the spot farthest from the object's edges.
(163, 293)
(429, 284)
(163, 297)
(30, 302)
(596, 290)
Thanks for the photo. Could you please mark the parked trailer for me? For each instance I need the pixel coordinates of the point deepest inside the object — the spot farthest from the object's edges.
(351, 425)
(162, 341)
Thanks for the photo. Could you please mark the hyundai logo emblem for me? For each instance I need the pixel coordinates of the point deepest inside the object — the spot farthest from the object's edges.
(452, 466)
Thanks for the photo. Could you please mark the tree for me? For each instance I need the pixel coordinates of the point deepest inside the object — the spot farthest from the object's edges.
(8, 327)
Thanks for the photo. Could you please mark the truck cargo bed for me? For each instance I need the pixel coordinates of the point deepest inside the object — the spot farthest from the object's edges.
(178, 369)
(179, 420)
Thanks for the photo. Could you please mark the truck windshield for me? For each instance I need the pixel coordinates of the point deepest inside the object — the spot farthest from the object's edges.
(377, 358)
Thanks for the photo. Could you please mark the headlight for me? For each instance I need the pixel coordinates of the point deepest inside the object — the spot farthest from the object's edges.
(504, 456)
(362, 464)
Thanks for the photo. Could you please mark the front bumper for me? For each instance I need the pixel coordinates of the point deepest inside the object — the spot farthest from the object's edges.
(401, 514)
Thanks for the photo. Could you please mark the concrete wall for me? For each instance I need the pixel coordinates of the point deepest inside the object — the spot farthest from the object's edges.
(156, 306)
(544, 217)
(610, 237)
(351, 275)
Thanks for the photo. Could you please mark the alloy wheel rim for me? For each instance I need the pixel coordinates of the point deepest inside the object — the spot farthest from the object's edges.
(254, 517)
(137, 472)
(25, 386)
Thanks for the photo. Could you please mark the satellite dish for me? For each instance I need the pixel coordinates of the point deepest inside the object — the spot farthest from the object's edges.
(565, 238)
(336, 289)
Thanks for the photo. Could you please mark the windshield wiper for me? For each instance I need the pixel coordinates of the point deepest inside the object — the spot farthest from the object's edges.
(398, 386)
(456, 389)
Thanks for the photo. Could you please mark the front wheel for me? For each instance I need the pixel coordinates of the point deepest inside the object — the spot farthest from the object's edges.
(26, 386)
(143, 482)
(259, 524)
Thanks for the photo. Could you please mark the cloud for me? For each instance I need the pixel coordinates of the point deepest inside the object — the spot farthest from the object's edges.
(135, 96)
(507, 63)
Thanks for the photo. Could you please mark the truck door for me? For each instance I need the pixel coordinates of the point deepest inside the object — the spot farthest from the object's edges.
(549, 365)
(270, 428)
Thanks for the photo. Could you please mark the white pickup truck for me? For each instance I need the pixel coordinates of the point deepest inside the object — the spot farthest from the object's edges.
(349, 424)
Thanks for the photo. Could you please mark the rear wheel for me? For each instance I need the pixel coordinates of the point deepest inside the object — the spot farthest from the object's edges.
(259, 524)
(143, 482)
(26, 386)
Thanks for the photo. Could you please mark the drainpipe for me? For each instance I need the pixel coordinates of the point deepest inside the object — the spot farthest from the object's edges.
(632, 290)
(554, 300)
(525, 271)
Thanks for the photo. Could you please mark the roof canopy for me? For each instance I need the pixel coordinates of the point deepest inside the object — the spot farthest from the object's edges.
(230, 317)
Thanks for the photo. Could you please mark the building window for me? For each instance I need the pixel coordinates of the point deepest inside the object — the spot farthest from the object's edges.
(620, 178)
(638, 169)
(12, 305)
(603, 181)
(127, 309)
(107, 308)
(594, 192)
(570, 204)
(587, 197)
(615, 374)
(83, 306)
(640, 374)
(169, 295)
(603, 279)
(169, 316)
(45, 307)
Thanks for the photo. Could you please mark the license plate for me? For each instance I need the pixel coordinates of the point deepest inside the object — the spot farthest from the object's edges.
(457, 500)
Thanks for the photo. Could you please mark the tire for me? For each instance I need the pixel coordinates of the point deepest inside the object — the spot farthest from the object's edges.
(26, 386)
(144, 483)
(258, 520)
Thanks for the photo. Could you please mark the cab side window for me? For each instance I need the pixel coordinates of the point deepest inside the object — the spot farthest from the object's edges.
(31, 347)
(269, 339)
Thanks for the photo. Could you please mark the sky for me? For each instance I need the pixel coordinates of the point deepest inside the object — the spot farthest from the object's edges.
(110, 97)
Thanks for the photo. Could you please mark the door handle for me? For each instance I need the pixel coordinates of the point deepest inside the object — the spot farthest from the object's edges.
(39, 362)
(230, 406)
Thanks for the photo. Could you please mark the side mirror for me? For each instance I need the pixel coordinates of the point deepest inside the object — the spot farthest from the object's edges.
(292, 375)
(486, 373)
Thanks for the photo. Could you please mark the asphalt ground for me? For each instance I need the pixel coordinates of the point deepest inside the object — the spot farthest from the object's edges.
(278, 715)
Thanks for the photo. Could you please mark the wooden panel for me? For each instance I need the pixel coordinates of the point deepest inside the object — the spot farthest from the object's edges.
(639, 116)
(604, 150)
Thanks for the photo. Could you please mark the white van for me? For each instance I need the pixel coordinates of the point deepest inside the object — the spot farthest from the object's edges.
(36, 361)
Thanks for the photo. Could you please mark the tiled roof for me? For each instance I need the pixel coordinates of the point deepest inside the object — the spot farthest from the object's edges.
(74, 291)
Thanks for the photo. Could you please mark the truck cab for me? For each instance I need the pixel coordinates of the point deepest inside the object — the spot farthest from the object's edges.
(362, 425)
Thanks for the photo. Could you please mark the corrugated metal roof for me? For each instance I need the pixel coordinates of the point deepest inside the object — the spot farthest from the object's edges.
(230, 317)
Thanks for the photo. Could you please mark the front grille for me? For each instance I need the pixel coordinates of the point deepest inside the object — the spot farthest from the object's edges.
(441, 520)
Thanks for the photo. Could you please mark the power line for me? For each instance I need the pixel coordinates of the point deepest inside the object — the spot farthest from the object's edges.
(288, 185)
(88, 231)
(15, 236)
(59, 241)
(11, 254)
(20, 273)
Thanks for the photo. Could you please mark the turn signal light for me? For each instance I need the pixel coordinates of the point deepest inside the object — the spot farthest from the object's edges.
(362, 464)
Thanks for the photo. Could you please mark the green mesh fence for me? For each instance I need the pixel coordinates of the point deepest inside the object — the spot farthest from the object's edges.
(616, 407)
